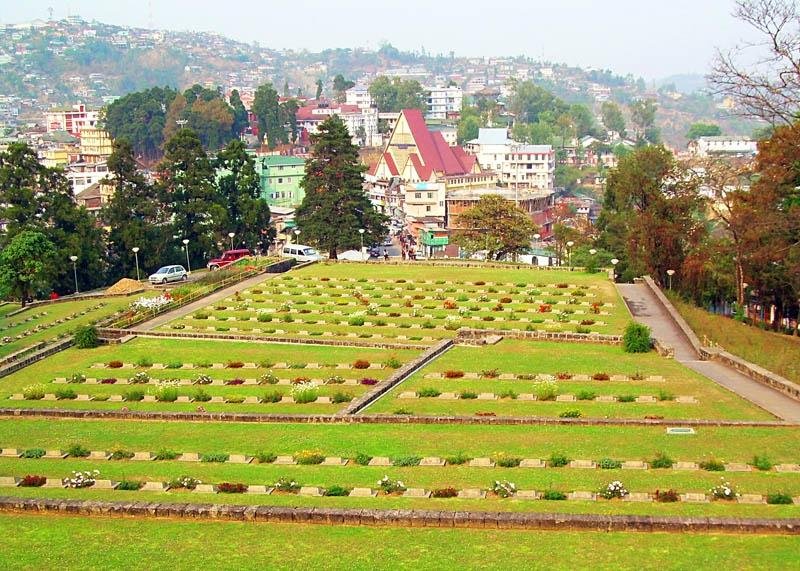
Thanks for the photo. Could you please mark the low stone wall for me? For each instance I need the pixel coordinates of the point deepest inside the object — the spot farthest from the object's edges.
(397, 377)
(663, 349)
(21, 363)
(402, 518)
(674, 315)
(257, 417)
(471, 334)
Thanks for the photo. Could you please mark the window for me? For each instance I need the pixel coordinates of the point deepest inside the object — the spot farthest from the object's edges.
(280, 181)
(427, 209)
(430, 195)
(417, 195)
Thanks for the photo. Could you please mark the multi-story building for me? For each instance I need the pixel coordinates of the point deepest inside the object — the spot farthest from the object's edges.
(82, 175)
(361, 123)
(723, 146)
(359, 96)
(444, 102)
(279, 178)
(95, 145)
(518, 165)
(72, 119)
(536, 203)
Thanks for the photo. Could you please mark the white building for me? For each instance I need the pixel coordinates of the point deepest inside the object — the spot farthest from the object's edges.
(359, 96)
(71, 119)
(443, 101)
(518, 165)
(361, 123)
(82, 175)
(729, 146)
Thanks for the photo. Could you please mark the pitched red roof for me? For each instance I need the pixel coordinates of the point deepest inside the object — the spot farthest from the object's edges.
(435, 153)
(391, 164)
(467, 161)
(424, 171)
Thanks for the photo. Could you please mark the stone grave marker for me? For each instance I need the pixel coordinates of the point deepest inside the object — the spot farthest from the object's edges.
(99, 455)
(565, 398)
(284, 461)
(380, 461)
(334, 461)
(56, 454)
(694, 498)
(239, 459)
(787, 468)
(84, 398)
(581, 378)
(448, 396)
(189, 457)
(284, 382)
(323, 400)
(153, 487)
(259, 489)
(310, 491)
(251, 400)
(10, 453)
(686, 400)
(407, 395)
(481, 463)
(655, 378)
(416, 493)
(105, 485)
(487, 396)
(638, 497)
(8, 481)
(431, 461)
(590, 496)
(634, 465)
(363, 493)
(646, 398)
(527, 495)
(738, 467)
(53, 483)
(49, 396)
(606, 398)
(204, 489)
(59, 381)
(149, 398)
(582, 464)
(142, 456)
(286, 399)
(532, 463)
(526, 397)
(217, 365)
(471, 494)
(685, 466)
(751, 499)
(217, 399)
(619, 378)
(16, 396)
(183, 398)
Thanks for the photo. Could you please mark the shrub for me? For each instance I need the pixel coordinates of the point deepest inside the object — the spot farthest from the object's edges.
(108, 381)
(444, 493)
(564, 376)
(570, 414)
(133, 395)
(336, 491)
(453, 374)
(601, 377)
(557, 460)
(309, 457)
(468, 395)
(287, 485)
(114, 364)
(304, 393)
(546, 308)
(392, 363)
(585, 395)
(100, 398)
(487, 318)
(65, 393)
(86, 337)
(667, 496)
(203, 380)
(613, 490)
(31, 481)
(264, 317)
(609, 464)
(724, 491)
(362, 459)
(121, 454)
(356, 321)
(76, 378)
(778, 498)
(582, 329)
(266, 457)
(508, 394)
(174, 365)
(235, 399)
(130, 485)
(340, 398)
(506, 461)
(368, 381)
(661, 461)
(361, 364)
(490, 373)
(234, 365)
(712, 465)
(404, 461)
(458, 459)
(665, 395)
(167, 394)
(428, 392)
(626, 398)
(503, 488)
(234, 382)
(184, 482)
(268, 378)
(272, 397)
(554, 495)
(140, 378)
(587, 322)
(34, 453)
(33, 392)
(389, 486)
(201, 315)
(545, 390)
(335, 380)
(636, 338)
(203, 363)
(762, 463)
(165, 454)
(229, 488)
(81, 479)
(403, 411)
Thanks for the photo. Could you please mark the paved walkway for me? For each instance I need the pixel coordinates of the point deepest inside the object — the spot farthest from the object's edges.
(646, 309)
(203, 302)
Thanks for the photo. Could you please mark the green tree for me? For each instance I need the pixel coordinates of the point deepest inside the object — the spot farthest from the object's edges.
(267, 109)
(288, 116)
(140, 118)
(248, 217)
(240, 122)
(496, 225)
(340, 86)
(582, 120)
(468, 125)
(643, 116)
(392, 96)
(135, 216)
(319, 89)
(188, 183)
(698, 130)
(335, 205)
(612, 118)
(24, 265)
(529, 102)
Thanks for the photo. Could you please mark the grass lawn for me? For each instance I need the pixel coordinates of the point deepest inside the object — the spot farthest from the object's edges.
(727, 444)
(526, 357)
(66, 542)
(47, 315)
(774, 351)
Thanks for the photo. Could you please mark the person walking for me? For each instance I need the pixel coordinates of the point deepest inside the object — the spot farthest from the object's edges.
(385, 255)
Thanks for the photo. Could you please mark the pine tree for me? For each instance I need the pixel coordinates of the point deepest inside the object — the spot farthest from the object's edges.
(240, 122)
(335, 205)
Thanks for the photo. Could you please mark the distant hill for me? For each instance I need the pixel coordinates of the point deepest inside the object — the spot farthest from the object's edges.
(687, 83)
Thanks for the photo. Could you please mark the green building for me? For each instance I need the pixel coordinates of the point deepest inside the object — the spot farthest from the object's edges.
(280, 178)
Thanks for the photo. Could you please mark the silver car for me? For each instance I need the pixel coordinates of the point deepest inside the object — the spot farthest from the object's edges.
(169, 274)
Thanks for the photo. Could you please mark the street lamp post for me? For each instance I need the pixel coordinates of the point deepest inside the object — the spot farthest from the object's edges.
(231, 235)
(670, 273)
(297, 235)
(136, 255)
(75, 272)
(570, 244)
(188, 265)
(361, 235)
(614, 263)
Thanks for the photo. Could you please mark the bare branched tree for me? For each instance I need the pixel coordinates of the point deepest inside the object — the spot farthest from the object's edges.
(763, 77)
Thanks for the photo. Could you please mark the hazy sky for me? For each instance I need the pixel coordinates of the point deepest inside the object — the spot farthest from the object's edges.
(648, 38)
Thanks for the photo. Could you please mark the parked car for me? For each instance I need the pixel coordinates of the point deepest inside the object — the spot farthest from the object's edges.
(169, 274)
(353, 256)
(228, 257)
(301, 253)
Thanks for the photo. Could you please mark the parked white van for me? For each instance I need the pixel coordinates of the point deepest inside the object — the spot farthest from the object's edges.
(301, 253)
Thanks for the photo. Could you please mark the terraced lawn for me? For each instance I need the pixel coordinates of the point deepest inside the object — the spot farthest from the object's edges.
(514, 370)
(38, 542)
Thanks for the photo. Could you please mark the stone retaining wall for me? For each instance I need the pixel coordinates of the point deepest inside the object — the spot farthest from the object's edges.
(372, 419)
(465, 334)
(403, 518)
(674, 315)
(36, 356)
(397, 377)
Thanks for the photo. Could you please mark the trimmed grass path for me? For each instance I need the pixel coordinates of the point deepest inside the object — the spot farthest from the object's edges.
(646, 309)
